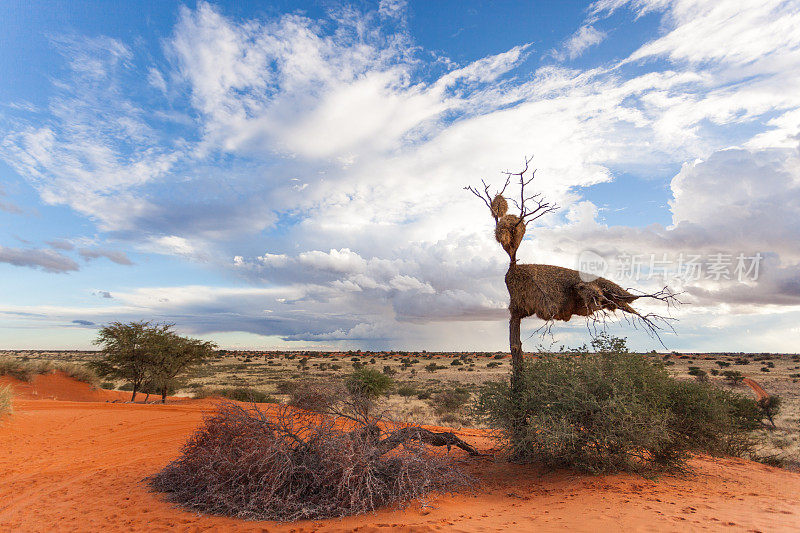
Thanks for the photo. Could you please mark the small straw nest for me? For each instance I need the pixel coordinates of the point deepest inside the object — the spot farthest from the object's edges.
(557, 293)
(499, 206)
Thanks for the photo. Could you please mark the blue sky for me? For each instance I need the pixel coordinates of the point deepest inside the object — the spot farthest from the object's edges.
(290, 175)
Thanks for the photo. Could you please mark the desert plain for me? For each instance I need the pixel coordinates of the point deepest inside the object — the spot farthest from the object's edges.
(74, 457)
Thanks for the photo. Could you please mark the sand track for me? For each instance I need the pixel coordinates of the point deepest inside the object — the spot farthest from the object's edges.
(757, 389)
(72, 466)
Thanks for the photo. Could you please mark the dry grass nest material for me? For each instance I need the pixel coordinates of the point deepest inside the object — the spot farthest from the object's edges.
(557, 293)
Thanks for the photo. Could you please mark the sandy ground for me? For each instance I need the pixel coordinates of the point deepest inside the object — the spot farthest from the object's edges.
(79, 465)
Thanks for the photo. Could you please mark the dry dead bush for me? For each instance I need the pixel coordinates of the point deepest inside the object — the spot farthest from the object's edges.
(290, 465)
(315, 396)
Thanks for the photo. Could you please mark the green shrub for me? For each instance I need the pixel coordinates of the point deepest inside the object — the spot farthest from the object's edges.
(109, 385)
(770, 407)
(451, 400)
(368, 382)
(698, 373)
(407, 390)
(5, 401)
(240, 394)
(456, 362)
(611, 412)
(734, 377)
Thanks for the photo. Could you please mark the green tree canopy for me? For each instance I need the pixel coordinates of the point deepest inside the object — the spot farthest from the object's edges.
(150, 355)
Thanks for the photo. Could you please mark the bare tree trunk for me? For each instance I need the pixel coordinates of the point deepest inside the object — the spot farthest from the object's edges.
(517, 383)
(135, 389)
(147, 397)
(164, 394)
(516, 354)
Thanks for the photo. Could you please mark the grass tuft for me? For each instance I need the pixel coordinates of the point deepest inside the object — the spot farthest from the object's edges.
(5, 401)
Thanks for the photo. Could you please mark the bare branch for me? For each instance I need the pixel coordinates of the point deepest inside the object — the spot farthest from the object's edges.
(402, 435)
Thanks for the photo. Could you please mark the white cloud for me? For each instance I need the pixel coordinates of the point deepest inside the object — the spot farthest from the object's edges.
(47, 260)
(583, 39)
(737, 201)
(115, 256)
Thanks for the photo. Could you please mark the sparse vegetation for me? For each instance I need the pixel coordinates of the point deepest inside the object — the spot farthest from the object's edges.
(240, 394)
(275, 373)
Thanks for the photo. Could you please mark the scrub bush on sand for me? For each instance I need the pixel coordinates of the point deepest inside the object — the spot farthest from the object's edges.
(612, 411)
(288, 465)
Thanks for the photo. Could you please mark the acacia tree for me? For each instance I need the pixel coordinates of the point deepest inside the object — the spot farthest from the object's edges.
(148, 355)
(173, 355)
(126, 350)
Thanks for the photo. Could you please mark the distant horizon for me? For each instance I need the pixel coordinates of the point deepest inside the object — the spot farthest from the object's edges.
(347, 352)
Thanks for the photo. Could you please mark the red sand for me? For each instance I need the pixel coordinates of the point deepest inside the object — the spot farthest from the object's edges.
(79, 466)
(757, 389)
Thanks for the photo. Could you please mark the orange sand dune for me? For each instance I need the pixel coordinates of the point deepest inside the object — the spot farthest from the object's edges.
(79, 466)
(57, 386)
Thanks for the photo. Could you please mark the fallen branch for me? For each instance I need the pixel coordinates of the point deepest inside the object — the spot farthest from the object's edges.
(402, 435)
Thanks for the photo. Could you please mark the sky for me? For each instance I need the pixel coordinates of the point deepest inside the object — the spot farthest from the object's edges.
(289, 175)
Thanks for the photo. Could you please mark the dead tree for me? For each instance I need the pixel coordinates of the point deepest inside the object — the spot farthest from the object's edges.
(547, 291)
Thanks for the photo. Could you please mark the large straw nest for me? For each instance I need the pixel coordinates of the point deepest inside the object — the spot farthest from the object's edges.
(509, 232)
(557, 293)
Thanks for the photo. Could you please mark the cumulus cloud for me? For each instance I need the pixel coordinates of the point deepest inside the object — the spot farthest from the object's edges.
(47, 260)
(736, 202)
